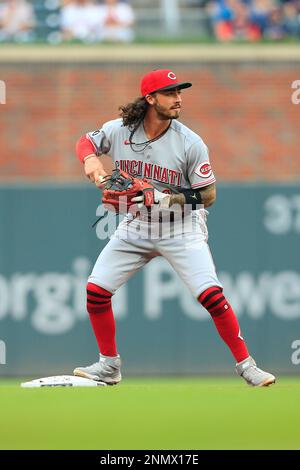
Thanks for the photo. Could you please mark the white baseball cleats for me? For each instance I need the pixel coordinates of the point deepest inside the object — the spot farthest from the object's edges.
(107, 370)
(252, 374)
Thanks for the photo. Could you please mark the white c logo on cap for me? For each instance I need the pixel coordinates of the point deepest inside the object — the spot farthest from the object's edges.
(172, 76)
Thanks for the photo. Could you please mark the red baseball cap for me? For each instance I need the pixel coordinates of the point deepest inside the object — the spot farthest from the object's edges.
(161, 80)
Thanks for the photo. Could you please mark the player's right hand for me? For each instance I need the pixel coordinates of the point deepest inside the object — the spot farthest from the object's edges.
(94, 170)
(162, 199)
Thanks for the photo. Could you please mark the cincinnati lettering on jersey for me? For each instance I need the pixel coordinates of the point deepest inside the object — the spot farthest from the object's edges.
(154, 172)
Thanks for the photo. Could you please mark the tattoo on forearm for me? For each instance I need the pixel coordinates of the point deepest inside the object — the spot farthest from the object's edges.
(208, 195)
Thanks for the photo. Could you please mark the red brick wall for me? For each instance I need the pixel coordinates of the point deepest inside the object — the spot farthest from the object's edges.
(243, 112)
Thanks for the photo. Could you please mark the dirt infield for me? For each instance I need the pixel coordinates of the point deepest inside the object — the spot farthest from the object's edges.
(149, 53)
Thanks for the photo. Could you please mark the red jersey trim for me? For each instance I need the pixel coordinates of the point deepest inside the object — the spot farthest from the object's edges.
(204, 183)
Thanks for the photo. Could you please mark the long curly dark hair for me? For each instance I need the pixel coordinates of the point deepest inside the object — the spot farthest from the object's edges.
(134, 113)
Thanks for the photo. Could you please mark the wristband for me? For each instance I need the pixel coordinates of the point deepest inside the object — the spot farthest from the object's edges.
(192, 197)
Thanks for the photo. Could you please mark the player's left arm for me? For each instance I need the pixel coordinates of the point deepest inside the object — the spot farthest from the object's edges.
(202, 181)
(208, 194)
(195, 197)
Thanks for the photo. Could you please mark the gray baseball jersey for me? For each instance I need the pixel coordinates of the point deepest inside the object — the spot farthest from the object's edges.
(177, 160)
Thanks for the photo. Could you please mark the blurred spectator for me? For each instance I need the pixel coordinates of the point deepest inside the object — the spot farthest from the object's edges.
(242, 26)
(16, 20)
(274, 29)
(117, 19)
(80, 20)
(89, 21)
(254, 19)
(232, 21)
(260, 12)
(291, 22)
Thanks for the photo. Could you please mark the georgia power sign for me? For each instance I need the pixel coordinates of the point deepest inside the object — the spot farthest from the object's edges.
(54, 302)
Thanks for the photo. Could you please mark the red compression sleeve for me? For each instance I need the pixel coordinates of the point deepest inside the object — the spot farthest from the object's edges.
(84, 147)
(102, 319)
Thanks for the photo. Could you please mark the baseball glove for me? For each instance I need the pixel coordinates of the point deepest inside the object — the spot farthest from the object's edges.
(120, 189)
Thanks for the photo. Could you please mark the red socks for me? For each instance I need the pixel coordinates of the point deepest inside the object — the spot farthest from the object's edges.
(102, 319)
(225, 320)
(103, 323)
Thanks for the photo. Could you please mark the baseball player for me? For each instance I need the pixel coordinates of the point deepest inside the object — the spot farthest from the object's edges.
(149, 142)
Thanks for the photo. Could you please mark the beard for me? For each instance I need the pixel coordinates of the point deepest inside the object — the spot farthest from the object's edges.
(165, 113)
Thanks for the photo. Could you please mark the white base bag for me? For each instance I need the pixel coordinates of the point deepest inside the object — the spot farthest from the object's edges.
(62, 381)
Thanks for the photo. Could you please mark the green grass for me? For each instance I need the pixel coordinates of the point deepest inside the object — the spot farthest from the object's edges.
(178, 413)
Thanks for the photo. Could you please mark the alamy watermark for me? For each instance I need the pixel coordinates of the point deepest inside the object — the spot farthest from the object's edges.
(2, 92)
(149, 222)
(2, 352)
(296, 94)
(295, 357)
